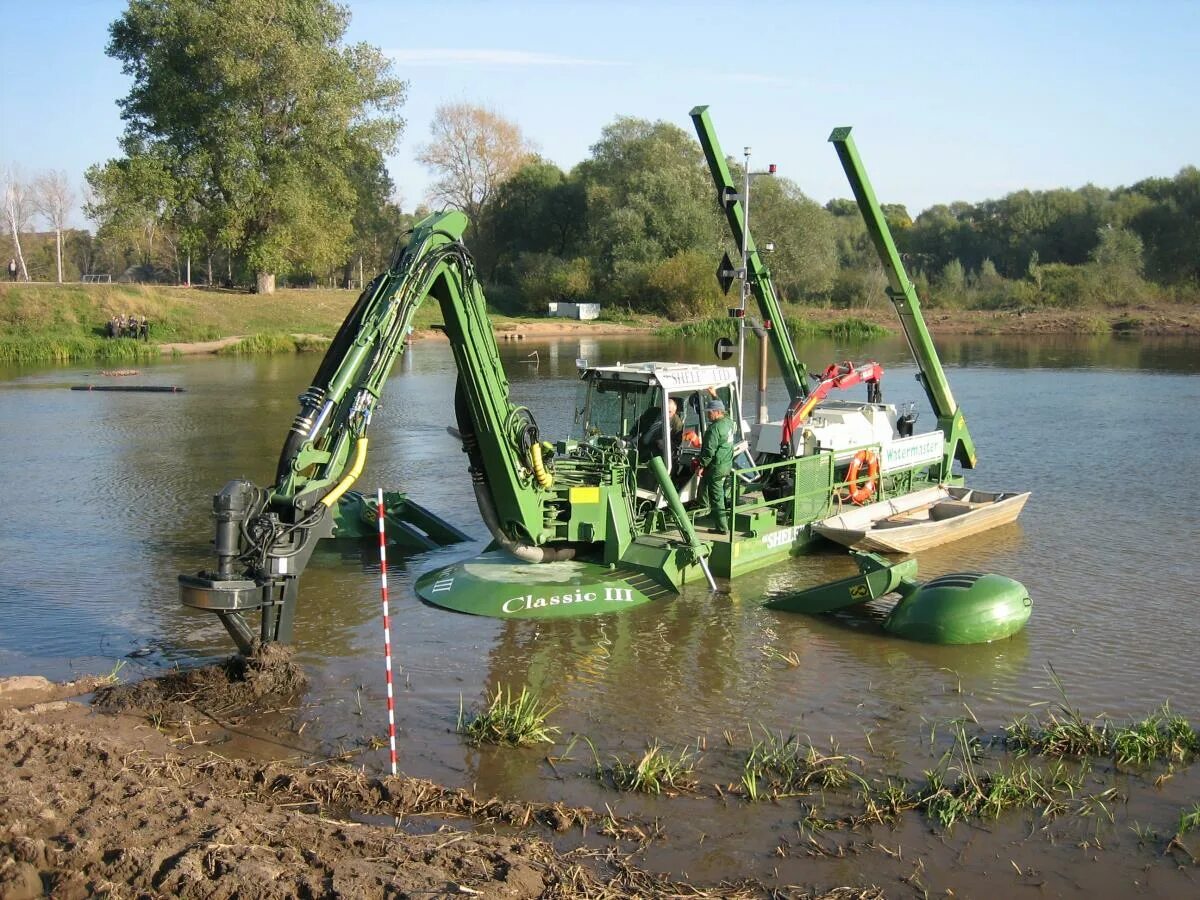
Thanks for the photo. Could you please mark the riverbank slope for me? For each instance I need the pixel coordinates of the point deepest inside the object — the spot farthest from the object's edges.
(49, 322)
(102, 804)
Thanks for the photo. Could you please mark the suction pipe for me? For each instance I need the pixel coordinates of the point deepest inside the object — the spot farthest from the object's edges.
(522, 550)
(659, 468)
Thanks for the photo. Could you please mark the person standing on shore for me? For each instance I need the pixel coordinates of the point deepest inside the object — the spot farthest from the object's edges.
(12, 270)
(716, 462)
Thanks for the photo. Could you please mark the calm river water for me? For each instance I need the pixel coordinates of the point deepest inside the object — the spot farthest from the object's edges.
(108, 498)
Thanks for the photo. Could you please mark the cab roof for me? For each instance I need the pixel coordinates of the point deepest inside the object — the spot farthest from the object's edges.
(671, 376)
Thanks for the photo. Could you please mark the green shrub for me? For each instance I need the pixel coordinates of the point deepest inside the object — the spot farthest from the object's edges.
(1064, 286)
(543, 279)
(683, 286)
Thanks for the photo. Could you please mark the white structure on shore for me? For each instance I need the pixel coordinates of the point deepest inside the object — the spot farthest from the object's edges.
(569, 310)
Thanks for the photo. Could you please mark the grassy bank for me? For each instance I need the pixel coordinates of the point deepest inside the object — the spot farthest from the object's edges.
(60, 323)
(847, 328)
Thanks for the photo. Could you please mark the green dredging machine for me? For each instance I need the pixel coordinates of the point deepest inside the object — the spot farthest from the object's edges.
(599, 521)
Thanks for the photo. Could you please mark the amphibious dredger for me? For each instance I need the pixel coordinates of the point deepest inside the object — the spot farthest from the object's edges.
(602, 519)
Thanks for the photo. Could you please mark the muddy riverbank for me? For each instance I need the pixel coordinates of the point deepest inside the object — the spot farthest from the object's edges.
(108, 803)
(1156, 321)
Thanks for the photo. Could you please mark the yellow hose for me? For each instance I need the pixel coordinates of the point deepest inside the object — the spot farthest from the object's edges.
(360, 459)
(544, 479)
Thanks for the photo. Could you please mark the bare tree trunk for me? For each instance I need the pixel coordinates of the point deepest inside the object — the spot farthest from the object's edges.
(264, 283)
(52, 197)
(189, 269)
(16, 211)
(210, 268)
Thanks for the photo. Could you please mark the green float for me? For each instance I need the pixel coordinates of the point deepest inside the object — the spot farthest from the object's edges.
(961, 608)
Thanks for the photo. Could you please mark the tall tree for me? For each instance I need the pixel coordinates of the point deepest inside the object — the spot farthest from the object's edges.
(474, 150)
(131, 201)
(18, 209)
(537, 210)
(804, 262)
(649, 198)
(52, 195)
(260, 113)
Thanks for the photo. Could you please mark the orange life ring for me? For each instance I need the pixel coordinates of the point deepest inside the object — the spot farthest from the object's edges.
(860, 494)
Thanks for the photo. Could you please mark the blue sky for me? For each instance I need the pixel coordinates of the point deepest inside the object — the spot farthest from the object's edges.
(949, 100)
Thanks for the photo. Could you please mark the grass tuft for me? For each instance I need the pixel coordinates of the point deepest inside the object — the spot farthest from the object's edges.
(514, 721)
(1161, 736)
(273, 342)
(656, 771)
(1189, 820)
(780, 767)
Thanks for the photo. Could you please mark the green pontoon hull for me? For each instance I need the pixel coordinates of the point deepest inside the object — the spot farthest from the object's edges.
(495, 584)
(966, 608)
(963, 608)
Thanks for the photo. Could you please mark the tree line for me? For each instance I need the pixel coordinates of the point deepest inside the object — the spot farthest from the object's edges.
(254, 148)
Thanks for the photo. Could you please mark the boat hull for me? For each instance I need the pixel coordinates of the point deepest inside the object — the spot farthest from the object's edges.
(950, 516)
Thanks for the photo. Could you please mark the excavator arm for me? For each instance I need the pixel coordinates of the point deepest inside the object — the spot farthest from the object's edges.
(903, 295)
(265, 537)
(757, 274)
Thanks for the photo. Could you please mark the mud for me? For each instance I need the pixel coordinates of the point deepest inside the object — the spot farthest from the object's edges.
(228, 687)
(104, 804)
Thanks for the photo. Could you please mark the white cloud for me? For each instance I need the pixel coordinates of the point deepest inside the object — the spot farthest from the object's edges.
(490, 58)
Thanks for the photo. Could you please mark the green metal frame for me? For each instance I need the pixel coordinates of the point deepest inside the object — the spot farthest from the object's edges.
(759, 276)
(903, 295)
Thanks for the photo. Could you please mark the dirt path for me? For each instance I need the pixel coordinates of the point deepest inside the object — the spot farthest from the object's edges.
(135, 804)
(201, 346)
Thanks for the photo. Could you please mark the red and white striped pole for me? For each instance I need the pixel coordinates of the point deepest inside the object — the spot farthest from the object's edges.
(387, 627)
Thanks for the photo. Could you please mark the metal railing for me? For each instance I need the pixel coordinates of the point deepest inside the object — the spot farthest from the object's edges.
(816, 491)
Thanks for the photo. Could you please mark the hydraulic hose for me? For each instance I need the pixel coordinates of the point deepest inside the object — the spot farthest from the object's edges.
(544, 479)
(360, 458)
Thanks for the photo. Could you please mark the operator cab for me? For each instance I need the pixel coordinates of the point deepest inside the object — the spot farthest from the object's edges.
(629, 405)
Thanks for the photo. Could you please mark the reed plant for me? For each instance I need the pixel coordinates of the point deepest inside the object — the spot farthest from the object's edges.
(960, 788)
(1189, 820)
(514, 721)
(780, 767)
(1065, 732)
(656, 771)
(1161, 736)
(73, 348)
(274, 342)
(848, 329)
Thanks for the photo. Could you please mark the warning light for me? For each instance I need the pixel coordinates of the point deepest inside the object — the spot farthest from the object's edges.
(771, 169)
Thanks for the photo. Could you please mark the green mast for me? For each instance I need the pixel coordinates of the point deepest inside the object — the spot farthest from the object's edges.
(758, 275)
(904, 297)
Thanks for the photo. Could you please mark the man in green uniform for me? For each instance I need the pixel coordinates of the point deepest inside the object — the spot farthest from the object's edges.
(716, 459)
(651, 437)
